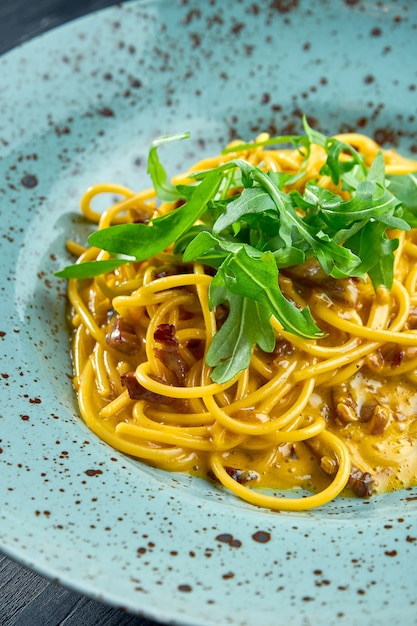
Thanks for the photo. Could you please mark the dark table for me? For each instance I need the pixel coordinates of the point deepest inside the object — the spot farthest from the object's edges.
(26, 598)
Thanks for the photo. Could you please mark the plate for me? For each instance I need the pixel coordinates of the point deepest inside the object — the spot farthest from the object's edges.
(81, 105)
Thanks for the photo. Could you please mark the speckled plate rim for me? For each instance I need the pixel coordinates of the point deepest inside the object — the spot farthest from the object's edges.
(169, 547)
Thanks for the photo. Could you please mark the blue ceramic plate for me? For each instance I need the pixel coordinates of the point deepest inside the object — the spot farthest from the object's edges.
(79, 106)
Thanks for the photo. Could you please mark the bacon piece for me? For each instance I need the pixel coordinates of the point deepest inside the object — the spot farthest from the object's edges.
(380, 419)
(141, 215)
(165, 334)
(171, 270)
(394, 355)
(411, 322)
(310, 274)
(390, 355)
(360, 483)
(344, 291)
(239, 475)
(344, 404)
(221, 312)
(121, 335)
(367, 411)
(196, 347)
(378, 416)
(137, 392)
(170, 354)
(282, 348)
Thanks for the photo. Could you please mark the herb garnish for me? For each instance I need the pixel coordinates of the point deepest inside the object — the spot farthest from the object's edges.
(250, 235)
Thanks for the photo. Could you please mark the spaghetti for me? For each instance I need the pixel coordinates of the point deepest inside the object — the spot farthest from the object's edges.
(311, 417)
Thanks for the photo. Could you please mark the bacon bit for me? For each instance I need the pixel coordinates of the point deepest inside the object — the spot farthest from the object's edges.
(360, 483)
(136, 391)
(121, 336)
(377, 415)
(344, 403)
(344, 291)
(391, 355)
(367, 411)
(196, 347)
(140, 216)
(310, 274)
(240, 476)
(171, 270)
(282, 348)
(170, 355)
(375, 362)
(165, 334)
(396, 356)
(381, 417)
(411, 323)
(221, 312)
(345, 413)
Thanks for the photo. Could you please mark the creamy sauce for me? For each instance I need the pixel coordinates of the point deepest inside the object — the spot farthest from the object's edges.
(382, 440)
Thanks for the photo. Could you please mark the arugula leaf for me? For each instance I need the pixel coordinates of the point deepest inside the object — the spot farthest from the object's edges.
(369, 201)
(163, 187)
(334, 167)
(247, 324)
(256, 277)
(376, 172)
(142, 241)
(252, 200)
(376, 250)
(205, 248)
(337, 261)
(202, 243)
(314, 136)
(404, 187)
(89, 269)
(242, 221)
(286, 257)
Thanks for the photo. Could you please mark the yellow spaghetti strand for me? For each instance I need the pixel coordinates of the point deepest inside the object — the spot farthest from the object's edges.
(333, 409)
(288, 503)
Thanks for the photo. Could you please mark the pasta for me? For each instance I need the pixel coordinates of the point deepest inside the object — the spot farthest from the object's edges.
(303, 423)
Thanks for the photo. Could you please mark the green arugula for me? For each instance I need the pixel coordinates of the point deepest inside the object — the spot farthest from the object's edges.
(165, 190)
(91, 268)
(240, 220)
(404, 187)
(247, 324)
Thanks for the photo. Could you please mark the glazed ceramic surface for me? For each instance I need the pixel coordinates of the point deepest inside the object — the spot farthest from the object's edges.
(80, 106)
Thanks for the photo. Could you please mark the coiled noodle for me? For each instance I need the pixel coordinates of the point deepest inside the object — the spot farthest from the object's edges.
(297, 426)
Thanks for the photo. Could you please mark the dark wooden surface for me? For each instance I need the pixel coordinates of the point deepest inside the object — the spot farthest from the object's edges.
(21, 20)
(26, 598)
